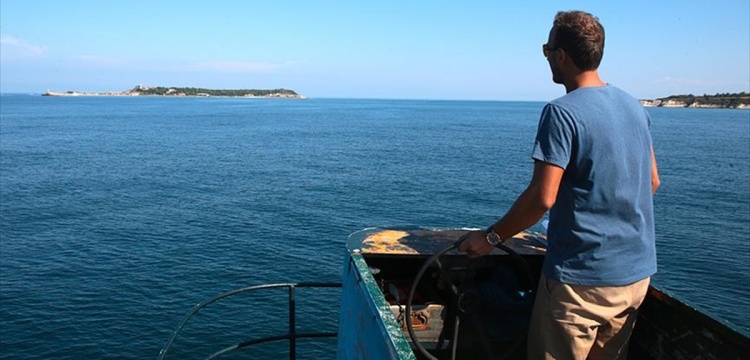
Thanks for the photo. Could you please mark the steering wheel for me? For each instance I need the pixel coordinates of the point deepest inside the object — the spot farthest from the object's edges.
(465, 302)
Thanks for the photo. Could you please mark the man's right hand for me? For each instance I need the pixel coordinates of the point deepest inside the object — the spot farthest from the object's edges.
(474, 244)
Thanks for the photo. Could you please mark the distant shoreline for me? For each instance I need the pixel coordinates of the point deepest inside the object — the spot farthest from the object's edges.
(718, 101)
(121, 94)
(161, 91)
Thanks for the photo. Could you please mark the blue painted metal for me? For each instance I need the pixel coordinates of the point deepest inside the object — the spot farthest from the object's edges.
(367, 328)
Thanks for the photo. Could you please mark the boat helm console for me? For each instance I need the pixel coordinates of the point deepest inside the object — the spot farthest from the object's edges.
(450, 306)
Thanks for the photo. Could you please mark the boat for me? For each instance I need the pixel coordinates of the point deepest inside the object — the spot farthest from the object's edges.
(407, 293)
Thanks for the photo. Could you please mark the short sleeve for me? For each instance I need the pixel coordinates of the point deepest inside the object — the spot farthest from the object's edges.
(554, 138)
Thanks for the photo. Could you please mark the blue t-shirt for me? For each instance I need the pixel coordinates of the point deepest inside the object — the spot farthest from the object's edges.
(601, 228)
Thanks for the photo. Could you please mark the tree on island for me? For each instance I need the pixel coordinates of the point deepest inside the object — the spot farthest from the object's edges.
(729, 100)
(191, 91)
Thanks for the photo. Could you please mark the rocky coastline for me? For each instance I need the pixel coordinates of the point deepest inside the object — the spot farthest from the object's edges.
(141, 90)
(718, 101)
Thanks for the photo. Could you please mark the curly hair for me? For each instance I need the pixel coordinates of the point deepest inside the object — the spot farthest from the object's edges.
(582, 37)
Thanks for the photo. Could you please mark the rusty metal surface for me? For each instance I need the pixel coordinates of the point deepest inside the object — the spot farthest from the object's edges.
(426, 242)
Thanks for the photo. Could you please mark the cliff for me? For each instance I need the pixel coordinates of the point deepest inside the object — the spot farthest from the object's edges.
(722, 101)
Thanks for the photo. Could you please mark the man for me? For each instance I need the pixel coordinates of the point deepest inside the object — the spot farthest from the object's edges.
(595, 171)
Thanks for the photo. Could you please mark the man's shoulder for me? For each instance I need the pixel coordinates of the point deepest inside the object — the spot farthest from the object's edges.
(593, 91)
(593, 97)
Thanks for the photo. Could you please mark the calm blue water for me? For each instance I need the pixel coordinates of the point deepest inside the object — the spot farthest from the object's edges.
(117, 215)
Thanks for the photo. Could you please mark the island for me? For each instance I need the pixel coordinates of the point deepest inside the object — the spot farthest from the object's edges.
(723, 101)
(141, 90)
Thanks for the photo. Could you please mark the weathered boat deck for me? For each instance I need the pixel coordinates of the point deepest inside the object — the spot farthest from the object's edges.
(426, 242)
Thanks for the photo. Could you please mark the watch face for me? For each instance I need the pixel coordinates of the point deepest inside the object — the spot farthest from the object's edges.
(493, 238)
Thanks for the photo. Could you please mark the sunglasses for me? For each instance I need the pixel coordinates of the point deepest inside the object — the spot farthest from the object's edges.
(546, 49)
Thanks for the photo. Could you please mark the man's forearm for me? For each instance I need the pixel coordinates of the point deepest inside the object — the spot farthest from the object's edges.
(525, 212)
(655, 181)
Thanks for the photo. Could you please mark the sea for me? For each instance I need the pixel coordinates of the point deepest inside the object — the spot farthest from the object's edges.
(119, 214)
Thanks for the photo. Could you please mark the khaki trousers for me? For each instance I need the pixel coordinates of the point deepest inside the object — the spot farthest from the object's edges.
(583, 322)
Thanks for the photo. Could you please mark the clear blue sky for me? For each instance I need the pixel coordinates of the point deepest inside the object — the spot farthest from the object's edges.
(355, 49)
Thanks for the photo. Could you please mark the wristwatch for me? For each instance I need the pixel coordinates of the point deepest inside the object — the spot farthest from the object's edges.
(492, 237)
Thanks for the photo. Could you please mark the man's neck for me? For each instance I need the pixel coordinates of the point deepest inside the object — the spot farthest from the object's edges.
(583, 79)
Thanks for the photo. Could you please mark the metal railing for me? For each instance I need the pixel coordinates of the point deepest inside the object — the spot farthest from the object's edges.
(291, 336)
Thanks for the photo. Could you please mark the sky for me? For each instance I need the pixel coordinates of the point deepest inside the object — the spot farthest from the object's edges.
(470, 50)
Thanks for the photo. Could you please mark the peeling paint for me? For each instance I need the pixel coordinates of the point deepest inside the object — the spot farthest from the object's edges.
(425, 242)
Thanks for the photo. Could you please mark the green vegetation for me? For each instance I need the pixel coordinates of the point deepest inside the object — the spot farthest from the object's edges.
(726, 100)
(191, 91)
